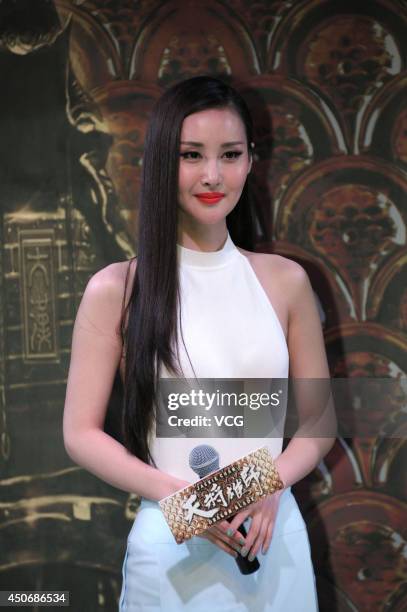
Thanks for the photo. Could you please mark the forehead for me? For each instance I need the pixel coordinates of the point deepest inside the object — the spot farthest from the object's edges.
(214, 123)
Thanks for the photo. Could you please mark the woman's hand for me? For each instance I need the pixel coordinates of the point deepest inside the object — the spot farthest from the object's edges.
(228, 538)
(218, 534)
(264, 514)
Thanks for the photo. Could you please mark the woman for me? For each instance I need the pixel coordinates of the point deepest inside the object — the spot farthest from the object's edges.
(196, 305)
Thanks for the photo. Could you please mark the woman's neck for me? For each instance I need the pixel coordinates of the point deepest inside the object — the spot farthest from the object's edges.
(209, 239)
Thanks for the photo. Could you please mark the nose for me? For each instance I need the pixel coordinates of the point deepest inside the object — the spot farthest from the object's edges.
(211, 174)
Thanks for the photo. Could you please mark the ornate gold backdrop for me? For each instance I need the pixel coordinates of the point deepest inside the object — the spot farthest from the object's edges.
(326, 83)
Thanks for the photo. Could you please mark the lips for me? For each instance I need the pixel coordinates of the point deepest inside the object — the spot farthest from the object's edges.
(210, 198)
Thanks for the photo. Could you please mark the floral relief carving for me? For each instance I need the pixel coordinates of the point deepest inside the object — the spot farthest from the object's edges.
(367, 548)
(399, 137)
(261, 18)
(363, 364)
(184, 57)
(367, 543)
(348, 57)
(121, 22)
(355, 226)
(293, 150)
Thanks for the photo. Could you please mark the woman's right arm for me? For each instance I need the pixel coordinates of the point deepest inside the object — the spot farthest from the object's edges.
(95, 358)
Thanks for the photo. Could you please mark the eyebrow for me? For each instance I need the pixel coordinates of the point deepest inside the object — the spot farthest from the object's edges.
(199, 144)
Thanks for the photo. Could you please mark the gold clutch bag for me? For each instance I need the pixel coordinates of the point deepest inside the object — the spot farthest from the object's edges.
(221, 494)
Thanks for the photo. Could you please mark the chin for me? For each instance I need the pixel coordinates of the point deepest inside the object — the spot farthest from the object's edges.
(210, 216)
(211, 219)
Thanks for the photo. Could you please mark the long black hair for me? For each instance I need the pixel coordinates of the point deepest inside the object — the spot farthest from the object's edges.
(150, 334)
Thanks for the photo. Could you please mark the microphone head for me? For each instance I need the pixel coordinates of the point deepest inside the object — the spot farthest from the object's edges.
(204, 459)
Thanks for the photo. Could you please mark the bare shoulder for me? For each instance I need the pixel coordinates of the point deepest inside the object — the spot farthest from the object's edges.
(114, 273)
(286, 282)
(110, 281)
(102, 302)
(288, 271)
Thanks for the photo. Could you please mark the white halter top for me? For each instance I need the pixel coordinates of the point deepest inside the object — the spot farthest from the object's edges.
(230, 330)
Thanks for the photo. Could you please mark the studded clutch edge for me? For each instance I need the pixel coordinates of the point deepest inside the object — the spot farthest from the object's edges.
(221, 494)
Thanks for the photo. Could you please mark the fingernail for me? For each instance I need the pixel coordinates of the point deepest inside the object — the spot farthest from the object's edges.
(244, 552)
(241, 541)
(251, 557)
(230, 532)
(264, 551)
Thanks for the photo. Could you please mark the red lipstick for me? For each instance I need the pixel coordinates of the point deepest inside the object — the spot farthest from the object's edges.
(210, 197)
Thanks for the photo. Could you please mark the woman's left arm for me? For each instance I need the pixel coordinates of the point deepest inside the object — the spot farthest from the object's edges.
(317, 423)
(308, 363)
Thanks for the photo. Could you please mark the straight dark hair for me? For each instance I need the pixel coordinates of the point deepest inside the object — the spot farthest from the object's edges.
(149, 319)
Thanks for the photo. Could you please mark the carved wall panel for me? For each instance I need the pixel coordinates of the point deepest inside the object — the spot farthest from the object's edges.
(326, 82)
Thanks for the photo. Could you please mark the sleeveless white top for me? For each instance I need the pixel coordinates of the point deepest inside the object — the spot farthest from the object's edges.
(230, 330)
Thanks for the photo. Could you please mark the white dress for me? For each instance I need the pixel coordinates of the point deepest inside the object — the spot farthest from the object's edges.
(231, 331)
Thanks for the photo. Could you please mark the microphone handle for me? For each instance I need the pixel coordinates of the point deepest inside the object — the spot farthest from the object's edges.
(243, 563)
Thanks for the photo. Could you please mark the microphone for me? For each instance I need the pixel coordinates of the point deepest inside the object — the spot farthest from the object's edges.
(204, 459)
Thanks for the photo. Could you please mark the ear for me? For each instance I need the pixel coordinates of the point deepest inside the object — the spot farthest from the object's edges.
(251, 157)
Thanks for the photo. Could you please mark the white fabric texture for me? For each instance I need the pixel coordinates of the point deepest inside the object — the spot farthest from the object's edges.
(230, 330)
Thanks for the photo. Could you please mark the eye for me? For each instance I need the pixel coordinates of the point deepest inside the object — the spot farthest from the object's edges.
(235, 154)
(185, 155)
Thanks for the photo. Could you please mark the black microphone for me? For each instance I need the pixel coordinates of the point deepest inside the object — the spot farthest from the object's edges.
(203, 460)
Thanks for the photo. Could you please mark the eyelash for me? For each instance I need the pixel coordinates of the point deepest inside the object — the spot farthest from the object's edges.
(237, 154)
